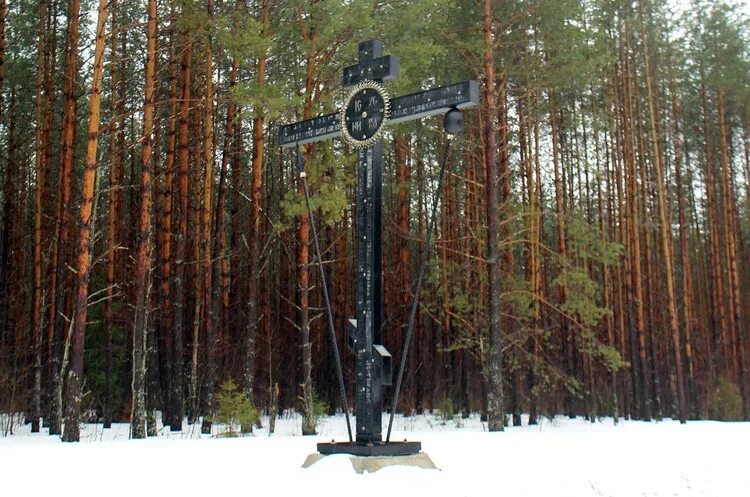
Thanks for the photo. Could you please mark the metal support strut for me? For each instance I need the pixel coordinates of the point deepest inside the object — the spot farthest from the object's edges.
(452, 124)
(324, 284)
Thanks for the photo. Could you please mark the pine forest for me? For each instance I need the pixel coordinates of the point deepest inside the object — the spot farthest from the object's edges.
(591, 253)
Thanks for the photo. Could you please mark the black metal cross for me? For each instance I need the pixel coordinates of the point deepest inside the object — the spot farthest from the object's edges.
(373, 362)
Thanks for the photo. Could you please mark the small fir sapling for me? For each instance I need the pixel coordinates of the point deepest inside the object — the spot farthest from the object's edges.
(320, 409)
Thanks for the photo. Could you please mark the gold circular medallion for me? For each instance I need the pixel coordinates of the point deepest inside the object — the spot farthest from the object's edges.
(364, 113)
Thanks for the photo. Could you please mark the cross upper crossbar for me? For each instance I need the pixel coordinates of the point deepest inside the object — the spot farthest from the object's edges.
(372, 65)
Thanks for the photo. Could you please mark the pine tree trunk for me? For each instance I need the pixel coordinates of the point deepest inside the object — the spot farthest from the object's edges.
(303, 282)
(115, 182)
(209, 321)
(530, 208)
(237, 249)
(401, 151)
(630, 390)
(645, 203)
(665, 227)
(62, 228)
(143, 237)
(8, 341)
(728, 245)
(165, 225)
(718, 304)
(607, 285)
(732, 257)
(40, 175)
(536, 203)
(3, 15)
(7, 197)
(73, 393)
(253, 243)
(506, 255)
(561, 243)
(220, 232)
(219, 241)
(494, 367)
(49, 222)
(746, 146)
(636, 282)
(179, 282)
(13, 343)
(155, 343)
(196, 310)
(685, 264)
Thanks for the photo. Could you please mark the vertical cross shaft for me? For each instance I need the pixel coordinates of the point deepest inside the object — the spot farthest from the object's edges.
(372, 65)
(369, 294)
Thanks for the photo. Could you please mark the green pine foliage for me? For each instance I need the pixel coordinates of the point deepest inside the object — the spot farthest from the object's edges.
(725, 402)
(583, 293)
(320, 407)
(233, 410)
(332, 176)
(445, 411)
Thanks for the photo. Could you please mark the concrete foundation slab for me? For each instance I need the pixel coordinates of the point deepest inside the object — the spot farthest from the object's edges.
(372, 464)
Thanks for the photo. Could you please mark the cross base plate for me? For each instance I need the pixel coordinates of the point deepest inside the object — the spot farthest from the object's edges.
(373, 449)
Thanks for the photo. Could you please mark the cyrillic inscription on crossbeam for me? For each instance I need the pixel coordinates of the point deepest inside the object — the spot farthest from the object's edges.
(435, 101)
(406, 108)
(311, 130)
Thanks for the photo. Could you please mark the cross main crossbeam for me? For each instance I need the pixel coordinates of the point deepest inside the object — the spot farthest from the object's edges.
(405, 108)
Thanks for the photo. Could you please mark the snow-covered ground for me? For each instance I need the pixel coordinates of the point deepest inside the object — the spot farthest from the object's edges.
(559, 458)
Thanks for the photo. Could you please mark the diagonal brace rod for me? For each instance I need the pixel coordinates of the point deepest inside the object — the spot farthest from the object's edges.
(329, 314)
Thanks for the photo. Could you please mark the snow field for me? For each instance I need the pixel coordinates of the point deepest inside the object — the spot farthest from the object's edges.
(559, 458)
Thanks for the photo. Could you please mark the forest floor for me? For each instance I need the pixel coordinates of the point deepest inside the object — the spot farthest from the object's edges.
(558, 458)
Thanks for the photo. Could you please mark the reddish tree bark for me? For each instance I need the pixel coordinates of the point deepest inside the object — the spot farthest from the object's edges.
(165, 227)
(40, 174)
(665, 225)
(7, 196)
(251, 314)
(143, 237)
(209, 321)
(73, 393)
(732, 255)
(62, 227)
(178, 285)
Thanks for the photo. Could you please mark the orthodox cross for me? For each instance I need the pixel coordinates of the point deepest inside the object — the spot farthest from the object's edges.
(360, 122)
